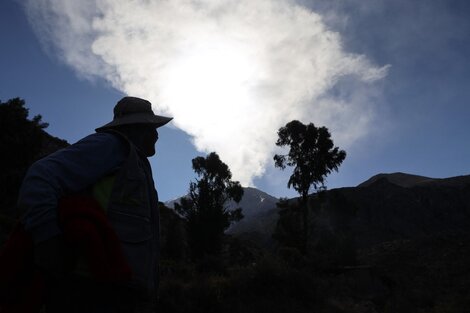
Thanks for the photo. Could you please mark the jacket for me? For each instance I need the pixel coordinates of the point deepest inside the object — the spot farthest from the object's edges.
(133, 212)
(67, 171)
(131, 206)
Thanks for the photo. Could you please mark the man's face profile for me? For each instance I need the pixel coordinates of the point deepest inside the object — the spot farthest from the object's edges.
(143, 136)
(149, 137)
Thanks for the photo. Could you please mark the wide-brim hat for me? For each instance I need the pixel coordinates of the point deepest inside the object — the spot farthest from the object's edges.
(132, 110)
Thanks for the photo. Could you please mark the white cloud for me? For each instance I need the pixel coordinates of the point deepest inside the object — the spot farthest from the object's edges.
(230, 72)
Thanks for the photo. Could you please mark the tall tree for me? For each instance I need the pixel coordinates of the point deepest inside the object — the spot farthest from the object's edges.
(205, 208)
(313, 156)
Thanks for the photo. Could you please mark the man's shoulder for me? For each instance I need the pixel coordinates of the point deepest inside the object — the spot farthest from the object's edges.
(103, 137)
(100, 140)
(97, 146)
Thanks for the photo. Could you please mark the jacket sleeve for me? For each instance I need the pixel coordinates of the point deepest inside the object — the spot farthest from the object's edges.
(69, 170)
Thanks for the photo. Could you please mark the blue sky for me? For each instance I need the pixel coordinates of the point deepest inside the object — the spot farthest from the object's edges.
(390, 79)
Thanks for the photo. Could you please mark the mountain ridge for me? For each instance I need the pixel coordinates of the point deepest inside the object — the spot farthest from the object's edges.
(399, 202)
(410, 180)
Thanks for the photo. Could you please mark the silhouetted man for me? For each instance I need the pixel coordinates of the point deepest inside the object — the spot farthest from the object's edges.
(91, 209)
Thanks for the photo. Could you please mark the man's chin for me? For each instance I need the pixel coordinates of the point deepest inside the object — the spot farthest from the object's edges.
(150, 153)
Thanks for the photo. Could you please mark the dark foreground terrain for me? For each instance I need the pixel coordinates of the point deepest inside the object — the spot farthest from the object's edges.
(397, 243)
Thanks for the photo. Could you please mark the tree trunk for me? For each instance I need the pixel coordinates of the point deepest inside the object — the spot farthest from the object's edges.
(305, 229)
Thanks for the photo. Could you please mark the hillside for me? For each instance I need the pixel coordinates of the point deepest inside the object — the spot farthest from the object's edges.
(392, 207)
(396, 243)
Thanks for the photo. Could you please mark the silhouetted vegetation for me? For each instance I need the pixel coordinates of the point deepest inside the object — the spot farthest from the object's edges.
(22, 141)
(173, 237)
(205, 208)
(313, 156)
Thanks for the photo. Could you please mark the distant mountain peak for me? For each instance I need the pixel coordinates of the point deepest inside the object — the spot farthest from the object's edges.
(254, 201)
